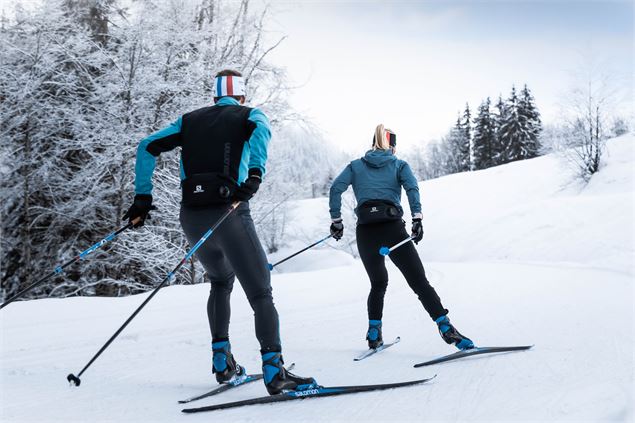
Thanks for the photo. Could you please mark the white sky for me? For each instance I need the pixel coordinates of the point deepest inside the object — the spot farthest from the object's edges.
(413, 65)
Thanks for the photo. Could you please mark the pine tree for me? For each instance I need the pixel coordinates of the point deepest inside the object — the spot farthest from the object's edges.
(453, 148)
(466, 141)
(498, 147)
(484, 138)
(533, 126)
(512, 129)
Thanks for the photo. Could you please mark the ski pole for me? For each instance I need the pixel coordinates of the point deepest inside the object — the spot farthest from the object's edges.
(384, 251)
(75, 379)
(81, 256)
(271, 266)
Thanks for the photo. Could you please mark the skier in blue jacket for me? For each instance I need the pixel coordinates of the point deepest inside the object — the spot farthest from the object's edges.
(377, 180)
(223, 156)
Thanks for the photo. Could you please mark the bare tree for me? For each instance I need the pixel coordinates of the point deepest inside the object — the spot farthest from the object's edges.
(588, 109)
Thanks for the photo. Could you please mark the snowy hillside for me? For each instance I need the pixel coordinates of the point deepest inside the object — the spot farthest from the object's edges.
(517, 254)
(529, 211)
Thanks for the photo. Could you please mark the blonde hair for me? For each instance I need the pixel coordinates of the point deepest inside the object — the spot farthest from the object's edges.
(381, 141)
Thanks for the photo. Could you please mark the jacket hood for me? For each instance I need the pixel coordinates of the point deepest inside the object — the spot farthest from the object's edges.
(378, 158)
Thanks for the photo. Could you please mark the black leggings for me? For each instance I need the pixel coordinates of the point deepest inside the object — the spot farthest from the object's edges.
(370, 238)
(233, 250)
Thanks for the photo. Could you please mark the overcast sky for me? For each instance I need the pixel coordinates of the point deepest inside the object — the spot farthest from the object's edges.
(413, 65)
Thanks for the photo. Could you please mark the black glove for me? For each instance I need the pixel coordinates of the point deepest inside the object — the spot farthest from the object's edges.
(140, 209)
(417, 230)
(337, 229)
(247, 189)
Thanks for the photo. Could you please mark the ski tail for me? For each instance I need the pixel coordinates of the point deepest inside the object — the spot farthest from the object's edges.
(320, 391)
(223, 388)
(227, 386)
(473, 351)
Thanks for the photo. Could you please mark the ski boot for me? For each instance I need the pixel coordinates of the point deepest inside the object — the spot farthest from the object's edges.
(278, 379)
(452, 336)
(225, 366)
(373, 336)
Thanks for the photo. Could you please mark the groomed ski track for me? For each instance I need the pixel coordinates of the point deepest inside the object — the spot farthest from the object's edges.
(578, 369)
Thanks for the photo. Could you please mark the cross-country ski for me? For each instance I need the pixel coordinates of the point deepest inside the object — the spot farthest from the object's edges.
(472, 352)
(225, 387)
(319, 391)
(238, 381)
(372, 351)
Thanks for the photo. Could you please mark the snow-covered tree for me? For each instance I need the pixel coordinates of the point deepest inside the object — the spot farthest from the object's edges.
(511, 130)
(533, 126)
(465, 147)
(82, 82)
(484, 139)
(500, 115)
(619, 127)
(588, 111)
(519, 132)
(456, 149)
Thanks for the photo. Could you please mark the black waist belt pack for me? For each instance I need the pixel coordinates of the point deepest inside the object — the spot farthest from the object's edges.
(205, 189)
(377, 211)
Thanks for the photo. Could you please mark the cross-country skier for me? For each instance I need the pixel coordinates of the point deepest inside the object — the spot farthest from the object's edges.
(223, 155)
(377, 179)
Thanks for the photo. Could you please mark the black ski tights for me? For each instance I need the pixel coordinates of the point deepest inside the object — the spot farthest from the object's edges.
(370, 238)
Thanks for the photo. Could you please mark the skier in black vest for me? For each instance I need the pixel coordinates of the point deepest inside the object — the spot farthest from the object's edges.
(377, 179)
(223, 155)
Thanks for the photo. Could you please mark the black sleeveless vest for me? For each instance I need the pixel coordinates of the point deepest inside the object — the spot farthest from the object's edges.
(213, 139)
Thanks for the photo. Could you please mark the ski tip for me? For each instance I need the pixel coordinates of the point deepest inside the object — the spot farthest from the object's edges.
(384, 251)
(428, 379)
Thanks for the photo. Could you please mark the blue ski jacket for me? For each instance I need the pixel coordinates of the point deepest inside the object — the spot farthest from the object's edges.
(379, 175)
(253, 155)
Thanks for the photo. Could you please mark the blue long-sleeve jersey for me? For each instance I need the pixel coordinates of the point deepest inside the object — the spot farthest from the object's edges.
(379, 175)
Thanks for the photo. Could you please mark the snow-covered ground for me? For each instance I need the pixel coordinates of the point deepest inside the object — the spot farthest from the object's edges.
(518, 253)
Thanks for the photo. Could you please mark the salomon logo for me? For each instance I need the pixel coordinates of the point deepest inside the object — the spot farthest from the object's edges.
(306, 392)
(374, 210)
(198, 189)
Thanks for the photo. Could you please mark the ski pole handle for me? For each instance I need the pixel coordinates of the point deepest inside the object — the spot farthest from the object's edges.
(384, 251)
(271, 266)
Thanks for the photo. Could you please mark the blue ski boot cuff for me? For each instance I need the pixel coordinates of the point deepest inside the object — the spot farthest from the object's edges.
(374, 326)
(220, 350)
(271, 363)
(443, 323)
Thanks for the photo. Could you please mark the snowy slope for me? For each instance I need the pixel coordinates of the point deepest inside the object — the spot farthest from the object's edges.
(529, 211)
(548, 264)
